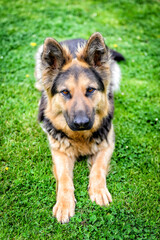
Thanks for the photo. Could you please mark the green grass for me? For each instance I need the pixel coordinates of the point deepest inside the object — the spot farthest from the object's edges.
(27, 184)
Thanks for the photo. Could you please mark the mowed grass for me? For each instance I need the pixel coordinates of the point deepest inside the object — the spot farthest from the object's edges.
(27, 183)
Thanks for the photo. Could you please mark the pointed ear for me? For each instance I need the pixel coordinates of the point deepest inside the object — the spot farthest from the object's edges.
(53, 54)
(96, 52)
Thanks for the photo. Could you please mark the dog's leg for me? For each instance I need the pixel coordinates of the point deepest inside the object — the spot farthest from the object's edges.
(99, 167)
(63, 171)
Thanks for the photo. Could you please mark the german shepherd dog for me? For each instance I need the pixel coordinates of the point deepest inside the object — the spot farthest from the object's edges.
(77, 79)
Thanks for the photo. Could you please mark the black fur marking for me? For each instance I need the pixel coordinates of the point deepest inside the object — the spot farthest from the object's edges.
(47, 125)
(59, 80)
(73, 45)
(42, 107)
(75, 71)
(111, 99)
(54, 87)
(98, 136)
(52, 131)
(53, 55)
(117, 56)
(98, 79)
(102, 132)
(91, 73)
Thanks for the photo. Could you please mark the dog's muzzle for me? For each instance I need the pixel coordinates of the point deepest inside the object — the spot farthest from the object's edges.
(80, 122)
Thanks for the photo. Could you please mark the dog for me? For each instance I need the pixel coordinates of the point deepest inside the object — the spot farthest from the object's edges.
(77, 79)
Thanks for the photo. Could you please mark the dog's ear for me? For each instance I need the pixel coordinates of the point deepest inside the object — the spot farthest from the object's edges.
(96, 52)
(53, 56)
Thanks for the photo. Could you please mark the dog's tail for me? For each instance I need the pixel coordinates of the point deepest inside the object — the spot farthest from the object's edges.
(115, 76)
(115, 69)
(117, 56)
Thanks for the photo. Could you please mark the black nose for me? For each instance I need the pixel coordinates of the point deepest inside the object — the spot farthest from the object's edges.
(81, 121)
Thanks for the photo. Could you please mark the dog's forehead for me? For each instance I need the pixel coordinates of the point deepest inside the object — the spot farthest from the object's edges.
(76, 74)
(80, 74)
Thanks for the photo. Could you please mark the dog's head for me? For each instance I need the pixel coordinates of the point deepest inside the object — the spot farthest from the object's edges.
(76, 86)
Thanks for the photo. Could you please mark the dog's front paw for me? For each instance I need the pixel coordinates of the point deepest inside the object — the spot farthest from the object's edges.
(100, 195)
(64, 209)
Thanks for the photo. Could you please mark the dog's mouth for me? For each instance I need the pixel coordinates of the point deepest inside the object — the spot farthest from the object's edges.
(73, 127)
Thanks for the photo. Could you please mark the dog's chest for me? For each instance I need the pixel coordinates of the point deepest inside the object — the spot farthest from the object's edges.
(74, 148)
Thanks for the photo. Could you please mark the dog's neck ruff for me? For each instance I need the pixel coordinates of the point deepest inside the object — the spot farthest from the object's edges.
(97, 136)
(51, 130)
(103, 130)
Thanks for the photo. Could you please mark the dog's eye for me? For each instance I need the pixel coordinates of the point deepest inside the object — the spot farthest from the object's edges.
(90, 91)
(66, 93)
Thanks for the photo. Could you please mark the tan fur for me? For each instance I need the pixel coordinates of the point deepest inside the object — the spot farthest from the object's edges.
(74, 61)
(69, 149)
(64, 158)
(99, 168)
(63, 167)
(78, 143)
(56, 115)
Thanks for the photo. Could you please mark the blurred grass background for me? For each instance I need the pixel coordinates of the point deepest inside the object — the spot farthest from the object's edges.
(131, 27)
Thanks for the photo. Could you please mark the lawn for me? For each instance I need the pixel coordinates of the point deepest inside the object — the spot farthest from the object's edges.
(131, 27)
